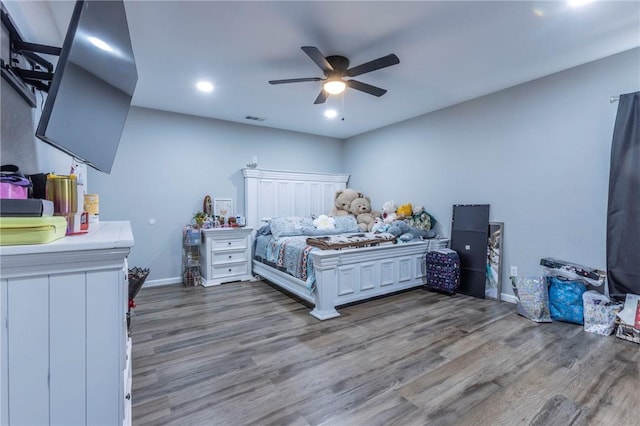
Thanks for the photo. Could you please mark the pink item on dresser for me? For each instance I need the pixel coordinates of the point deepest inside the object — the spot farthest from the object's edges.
(13, 183)
(9, 190)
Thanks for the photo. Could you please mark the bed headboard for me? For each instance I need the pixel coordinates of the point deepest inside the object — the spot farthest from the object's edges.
(277, 193)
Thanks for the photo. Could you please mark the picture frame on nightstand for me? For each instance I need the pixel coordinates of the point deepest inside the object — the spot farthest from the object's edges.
(223, 207)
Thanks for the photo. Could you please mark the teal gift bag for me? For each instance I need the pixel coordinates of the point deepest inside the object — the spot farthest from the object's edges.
(565, 300)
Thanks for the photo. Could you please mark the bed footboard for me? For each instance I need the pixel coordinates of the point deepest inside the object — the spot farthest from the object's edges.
(350, 275)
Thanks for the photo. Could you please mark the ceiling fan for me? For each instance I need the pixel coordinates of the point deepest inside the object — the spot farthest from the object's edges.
(336, 68)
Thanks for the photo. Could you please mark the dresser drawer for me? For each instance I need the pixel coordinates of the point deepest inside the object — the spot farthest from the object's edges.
(229, 256)
(221, 271)
(228, 243)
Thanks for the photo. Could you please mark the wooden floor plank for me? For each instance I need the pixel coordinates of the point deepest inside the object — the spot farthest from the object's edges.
(246, 354)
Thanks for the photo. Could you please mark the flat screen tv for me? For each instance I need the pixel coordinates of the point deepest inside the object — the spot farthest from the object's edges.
(92, 86)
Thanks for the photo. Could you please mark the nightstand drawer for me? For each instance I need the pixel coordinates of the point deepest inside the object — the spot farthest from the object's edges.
(222, 271)
(222, 257)
(229, 243)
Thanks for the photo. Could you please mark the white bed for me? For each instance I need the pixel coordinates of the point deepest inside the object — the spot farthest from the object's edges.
(342, 276)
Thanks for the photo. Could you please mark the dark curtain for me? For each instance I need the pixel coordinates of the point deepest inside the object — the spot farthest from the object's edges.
(623, 212)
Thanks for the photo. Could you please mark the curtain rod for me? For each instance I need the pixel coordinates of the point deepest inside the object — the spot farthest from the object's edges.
(613, 99)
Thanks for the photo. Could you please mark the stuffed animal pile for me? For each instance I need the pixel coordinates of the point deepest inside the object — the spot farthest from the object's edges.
(405, 222)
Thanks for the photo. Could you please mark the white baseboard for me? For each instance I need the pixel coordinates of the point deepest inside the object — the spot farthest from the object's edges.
(164, 281)
(178, 280)
(508, 298)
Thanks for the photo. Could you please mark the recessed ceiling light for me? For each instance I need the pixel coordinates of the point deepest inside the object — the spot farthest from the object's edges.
(100, 43)
(330, 113)
(204, 86)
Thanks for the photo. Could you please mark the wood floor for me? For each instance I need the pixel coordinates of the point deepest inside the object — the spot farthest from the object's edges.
(245, 354)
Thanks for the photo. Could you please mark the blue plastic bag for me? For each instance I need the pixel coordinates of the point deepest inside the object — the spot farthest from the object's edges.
(565, 300)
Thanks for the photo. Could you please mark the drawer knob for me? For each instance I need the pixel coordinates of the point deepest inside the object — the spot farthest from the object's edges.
(229, 269)
(230, 256)
(229, 243)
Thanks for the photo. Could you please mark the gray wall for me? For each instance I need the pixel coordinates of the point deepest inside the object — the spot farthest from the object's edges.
(167, 163)
(537, 153)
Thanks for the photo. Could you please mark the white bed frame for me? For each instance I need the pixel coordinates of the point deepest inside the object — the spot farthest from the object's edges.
(342, 276)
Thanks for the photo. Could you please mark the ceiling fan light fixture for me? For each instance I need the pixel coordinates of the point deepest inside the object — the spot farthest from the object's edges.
(335, 86)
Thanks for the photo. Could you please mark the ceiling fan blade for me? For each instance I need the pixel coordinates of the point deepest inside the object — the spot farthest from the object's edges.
(295, 80)
(364, 87)
(322, 97)
(318, 58)
(376, 64)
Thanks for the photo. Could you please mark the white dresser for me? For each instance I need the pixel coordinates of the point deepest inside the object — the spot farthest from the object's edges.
(225, 256)
(65, 352)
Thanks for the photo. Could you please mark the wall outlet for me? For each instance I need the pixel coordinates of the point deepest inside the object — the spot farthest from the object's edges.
(514, 271)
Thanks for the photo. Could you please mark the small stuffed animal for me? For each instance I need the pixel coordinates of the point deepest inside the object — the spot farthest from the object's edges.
(389, 212)
(400, 229)
(361, 209)
(404, 232)
(420, 219)
(379, 225)
(324, 222)
(343, 202)
(404, 211)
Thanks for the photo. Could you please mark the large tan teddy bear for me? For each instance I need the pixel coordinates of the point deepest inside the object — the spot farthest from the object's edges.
(361, 209)
(343, 201)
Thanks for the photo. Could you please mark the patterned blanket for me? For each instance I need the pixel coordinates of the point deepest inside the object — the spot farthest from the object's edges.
(365, 239)
(292, 255)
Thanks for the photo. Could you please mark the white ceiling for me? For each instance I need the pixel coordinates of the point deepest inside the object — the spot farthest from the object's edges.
(450, 51)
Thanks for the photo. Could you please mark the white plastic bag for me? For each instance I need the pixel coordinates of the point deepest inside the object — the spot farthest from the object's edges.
(599, 313)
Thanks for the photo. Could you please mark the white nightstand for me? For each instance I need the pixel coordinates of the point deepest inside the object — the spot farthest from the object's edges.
(226, 255)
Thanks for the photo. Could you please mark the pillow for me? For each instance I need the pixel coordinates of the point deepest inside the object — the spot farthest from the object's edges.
(289, 226)
(343, 225)
(315, 232)
(346, 224)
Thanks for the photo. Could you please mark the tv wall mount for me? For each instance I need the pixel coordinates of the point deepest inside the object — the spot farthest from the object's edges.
(26, 67)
